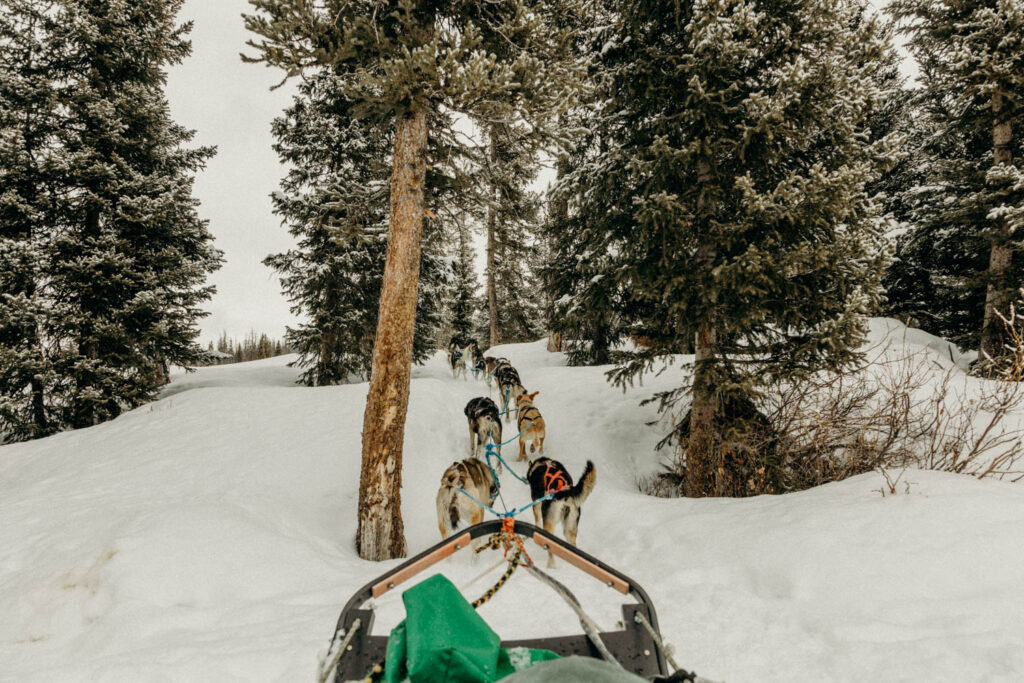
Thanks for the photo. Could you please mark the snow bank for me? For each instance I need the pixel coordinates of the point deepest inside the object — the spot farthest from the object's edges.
(209, 537)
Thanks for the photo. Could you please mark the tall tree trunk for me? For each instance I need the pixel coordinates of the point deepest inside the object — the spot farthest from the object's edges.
(559, 215)
(380, 535)
(38, 407)
(1000, 292)
(702, 452)
(492, 226)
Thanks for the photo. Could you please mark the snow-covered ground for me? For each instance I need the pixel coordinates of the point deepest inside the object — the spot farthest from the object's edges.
(209, 537)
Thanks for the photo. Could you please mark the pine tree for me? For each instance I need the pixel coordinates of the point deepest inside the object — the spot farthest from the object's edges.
(723, 205)
(513, 254)
(971, 55)
(129, 266)
(401, 62)
(118, 252)
(30, 128)
(464, 284)
(513, 218)
(578, 308)
(335, 202)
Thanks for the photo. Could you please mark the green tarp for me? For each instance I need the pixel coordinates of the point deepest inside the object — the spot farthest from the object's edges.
(444, 640)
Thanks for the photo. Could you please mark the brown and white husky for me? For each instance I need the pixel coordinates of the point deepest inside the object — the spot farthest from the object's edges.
(531, 425)
(454, 507)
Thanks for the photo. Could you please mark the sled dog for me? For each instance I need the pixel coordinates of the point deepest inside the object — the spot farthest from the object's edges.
(453, 507)
(484, 423)
(479, 365)
(550, 476)
(458, 352)
(530, 423)
(491, 364)
(509, 386)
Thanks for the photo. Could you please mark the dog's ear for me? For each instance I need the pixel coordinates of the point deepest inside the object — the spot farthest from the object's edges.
(533, 394)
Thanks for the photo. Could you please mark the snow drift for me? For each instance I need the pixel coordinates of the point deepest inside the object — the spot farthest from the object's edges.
(209, 537)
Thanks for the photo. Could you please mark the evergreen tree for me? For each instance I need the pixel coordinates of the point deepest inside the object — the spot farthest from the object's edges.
(119, 254)
(513, 251)
(402, 62)
(335, 202)
(586, 306)
(513, 256)
(463, 297)
(579, 308)
(129, 266)
(971, 55)
(30, 129)
(725, 206)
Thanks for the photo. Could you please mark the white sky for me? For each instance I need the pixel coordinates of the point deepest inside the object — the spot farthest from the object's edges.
(231, 106)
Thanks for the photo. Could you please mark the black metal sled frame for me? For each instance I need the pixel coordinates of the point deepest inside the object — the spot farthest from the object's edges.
(633, 646)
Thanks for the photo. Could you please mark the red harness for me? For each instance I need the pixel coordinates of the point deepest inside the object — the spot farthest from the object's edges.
(554, 479)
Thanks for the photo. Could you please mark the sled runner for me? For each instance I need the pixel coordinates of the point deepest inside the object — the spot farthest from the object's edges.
(444, 639)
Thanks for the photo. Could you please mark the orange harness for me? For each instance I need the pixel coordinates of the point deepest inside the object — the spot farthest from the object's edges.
(554, 480)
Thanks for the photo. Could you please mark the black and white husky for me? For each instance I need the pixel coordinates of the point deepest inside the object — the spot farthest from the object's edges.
(459, 350)
(484, 424)
(550, 476)
(509, 386)
(479, 365)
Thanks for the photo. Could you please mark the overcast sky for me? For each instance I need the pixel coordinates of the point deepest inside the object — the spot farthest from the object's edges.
(230, 105)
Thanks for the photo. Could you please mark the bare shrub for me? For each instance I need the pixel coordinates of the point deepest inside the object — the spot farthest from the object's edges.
(838, 425)
(903, 412)
(896, 411)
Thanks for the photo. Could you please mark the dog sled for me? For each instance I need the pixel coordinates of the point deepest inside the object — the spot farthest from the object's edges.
(444, 640)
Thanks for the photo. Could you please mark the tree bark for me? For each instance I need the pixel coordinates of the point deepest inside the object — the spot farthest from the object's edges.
(1000, 293)
(492, 225)
(380, 535)
(702, 452)
(559, 215)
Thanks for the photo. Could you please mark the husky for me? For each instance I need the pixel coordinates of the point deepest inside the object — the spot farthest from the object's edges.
(479, 365)
(473, 477)
(509, 386)
(530, 423)
(550, 476)
(457, 354)
(484, 424)
(491, 364)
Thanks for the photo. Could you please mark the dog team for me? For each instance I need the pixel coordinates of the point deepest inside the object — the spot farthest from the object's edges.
(476, 478)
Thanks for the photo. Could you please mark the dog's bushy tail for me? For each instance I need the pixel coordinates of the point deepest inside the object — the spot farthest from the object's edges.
(582, 488)
(447, 510)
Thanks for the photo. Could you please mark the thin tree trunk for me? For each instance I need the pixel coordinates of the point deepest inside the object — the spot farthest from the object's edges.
(38, 407)
(1000, 292)
(380, 535)
(559, 214)
(36, 388)
(492, 225)
(701, 452)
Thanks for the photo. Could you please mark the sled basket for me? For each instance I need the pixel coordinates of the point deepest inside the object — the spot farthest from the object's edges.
(633, 646)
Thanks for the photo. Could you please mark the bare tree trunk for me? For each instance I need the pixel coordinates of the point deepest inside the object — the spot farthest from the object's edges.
(559, 215)
(1000, 292)
(702, 452)
(381, 535)
(38, 407)
(492, 224)
(554, 341)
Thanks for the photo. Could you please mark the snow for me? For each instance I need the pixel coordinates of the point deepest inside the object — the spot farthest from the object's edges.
(209, 537)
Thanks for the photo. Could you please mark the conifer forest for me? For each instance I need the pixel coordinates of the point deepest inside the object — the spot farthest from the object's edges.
(724, 252)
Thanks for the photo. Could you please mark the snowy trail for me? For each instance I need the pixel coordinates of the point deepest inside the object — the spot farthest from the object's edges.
(209, 537)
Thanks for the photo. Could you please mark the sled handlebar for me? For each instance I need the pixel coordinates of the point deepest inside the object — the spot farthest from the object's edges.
(448, 547)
